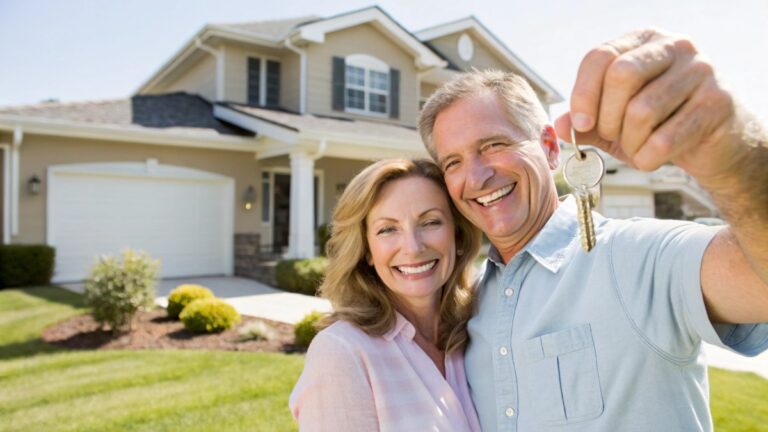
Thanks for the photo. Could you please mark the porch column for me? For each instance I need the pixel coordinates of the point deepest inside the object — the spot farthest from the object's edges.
(301, 238)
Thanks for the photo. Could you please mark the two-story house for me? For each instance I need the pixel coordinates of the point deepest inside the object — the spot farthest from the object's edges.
(242, 140)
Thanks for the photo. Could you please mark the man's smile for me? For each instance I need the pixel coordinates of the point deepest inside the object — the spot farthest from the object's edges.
(495, 196)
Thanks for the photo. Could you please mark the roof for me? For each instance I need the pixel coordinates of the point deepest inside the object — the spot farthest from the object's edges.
(180, 111)
(276, 30)
(312, 122)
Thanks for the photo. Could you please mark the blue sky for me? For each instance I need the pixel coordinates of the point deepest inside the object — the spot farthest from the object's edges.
(83, 50)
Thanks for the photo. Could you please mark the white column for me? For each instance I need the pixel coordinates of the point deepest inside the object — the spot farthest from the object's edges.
(301, 238)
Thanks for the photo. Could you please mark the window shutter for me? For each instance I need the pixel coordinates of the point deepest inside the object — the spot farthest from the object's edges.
(273, 83)
(254, 78)
(339, 81)
(394, 93)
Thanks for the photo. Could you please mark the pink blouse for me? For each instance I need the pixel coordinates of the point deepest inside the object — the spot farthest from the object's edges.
(355, 382)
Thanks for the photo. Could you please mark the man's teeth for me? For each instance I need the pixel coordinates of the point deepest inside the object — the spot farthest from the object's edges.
(415, 270)
(493, 196)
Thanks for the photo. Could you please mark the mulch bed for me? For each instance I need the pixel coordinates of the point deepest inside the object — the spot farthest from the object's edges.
(153, 330)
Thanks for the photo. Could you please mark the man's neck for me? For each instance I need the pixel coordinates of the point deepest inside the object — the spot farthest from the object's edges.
(509, 247)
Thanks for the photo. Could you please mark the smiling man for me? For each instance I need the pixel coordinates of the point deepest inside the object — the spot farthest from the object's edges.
(609, 340)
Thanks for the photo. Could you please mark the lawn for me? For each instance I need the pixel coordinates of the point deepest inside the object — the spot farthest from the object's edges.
(47, 389)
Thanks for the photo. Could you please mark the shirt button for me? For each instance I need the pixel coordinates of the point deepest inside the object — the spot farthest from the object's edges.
(503, 351)
(510, 412)
(508, 292)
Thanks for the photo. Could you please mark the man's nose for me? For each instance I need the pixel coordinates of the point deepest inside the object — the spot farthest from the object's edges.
(478, 173)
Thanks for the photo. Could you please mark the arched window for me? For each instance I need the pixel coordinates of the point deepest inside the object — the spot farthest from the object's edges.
(366, 87)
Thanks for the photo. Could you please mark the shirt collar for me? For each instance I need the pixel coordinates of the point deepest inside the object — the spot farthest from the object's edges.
(550, 246)
(403, 326)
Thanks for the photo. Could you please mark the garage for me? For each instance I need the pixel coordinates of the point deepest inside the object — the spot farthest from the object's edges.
(182, 216)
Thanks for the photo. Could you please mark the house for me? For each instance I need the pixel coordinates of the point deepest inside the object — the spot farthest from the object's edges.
(240, 142)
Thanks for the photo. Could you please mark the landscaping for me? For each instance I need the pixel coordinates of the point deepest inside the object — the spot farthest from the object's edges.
(120, 386)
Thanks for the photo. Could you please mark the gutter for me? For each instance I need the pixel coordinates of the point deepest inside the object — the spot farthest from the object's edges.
(303, 77)
(219, 56)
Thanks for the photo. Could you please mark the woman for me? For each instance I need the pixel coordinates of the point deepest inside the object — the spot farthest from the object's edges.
(391, 356)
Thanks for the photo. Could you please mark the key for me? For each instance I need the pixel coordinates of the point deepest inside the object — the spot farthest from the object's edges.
(583, 172)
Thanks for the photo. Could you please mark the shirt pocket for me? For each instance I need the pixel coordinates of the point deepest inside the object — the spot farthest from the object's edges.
(562, 379)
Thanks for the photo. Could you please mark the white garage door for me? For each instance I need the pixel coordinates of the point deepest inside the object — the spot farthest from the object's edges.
(182, 217)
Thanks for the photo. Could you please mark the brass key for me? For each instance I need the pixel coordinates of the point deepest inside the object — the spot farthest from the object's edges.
(583, 172)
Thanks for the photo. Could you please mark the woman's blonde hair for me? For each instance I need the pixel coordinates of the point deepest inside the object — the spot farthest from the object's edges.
(353, 287)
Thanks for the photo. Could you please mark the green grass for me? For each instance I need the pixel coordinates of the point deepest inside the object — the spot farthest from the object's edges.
(44, 388)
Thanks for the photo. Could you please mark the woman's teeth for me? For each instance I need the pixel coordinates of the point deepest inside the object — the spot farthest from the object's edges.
(416, 270)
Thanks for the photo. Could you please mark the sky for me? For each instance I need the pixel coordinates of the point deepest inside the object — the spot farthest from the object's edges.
(72, 50)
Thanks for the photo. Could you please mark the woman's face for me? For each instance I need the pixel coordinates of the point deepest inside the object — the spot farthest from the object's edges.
(411, 237)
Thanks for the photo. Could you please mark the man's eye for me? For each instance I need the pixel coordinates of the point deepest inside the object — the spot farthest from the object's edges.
(450, 164)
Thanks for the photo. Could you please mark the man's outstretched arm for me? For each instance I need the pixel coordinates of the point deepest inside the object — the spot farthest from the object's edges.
(649, 98)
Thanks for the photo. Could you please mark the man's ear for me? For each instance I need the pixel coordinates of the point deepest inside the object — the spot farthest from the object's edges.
(550, 145)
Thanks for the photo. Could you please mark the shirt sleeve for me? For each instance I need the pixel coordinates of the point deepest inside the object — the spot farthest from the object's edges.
(333, 392)
(657, 267)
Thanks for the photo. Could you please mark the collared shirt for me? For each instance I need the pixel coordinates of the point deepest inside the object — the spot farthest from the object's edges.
(608, 340)
(354, 382)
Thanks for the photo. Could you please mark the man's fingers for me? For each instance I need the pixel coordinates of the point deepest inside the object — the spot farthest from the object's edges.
(625, 77)
(587, 91)
(684, 134)
(591, 138)
(659, 99)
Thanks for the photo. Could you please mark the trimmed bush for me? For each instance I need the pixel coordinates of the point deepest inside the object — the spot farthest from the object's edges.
(306, 329)
(301, 276)
(26, 265)
(209, 315)
(118, 288)
(183, 295)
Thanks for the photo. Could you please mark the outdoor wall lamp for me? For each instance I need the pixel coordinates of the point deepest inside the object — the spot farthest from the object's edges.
(249, 197)
(33, 185)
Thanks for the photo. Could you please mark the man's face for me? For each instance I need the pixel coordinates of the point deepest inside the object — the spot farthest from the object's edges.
(498, 177)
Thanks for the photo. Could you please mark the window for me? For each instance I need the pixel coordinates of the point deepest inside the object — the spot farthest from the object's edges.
(263, 82)
(366, 85)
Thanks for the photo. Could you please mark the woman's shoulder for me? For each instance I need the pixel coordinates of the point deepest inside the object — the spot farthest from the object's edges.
(346, 336)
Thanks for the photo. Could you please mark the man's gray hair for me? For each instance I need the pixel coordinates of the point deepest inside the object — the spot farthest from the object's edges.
(524, 110)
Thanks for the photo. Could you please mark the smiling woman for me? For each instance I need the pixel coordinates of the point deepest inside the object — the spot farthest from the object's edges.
(400, 257)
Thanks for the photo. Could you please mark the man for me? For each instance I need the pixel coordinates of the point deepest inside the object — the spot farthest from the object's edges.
(607, 340)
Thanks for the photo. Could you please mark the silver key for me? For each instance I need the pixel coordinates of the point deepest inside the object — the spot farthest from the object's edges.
(583, 172)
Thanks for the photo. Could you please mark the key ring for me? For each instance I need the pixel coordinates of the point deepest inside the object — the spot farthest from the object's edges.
(579, 154)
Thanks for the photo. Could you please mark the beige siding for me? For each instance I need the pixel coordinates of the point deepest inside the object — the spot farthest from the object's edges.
(337, 173)
(427, 89)
(290, 80)
(363, 39)
(236, 73)
(40, 152)
(482, 57)
(199, 79)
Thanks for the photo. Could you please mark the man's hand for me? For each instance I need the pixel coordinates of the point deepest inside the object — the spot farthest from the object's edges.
(648, 98)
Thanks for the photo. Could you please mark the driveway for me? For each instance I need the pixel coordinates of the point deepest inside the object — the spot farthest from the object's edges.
(249, 297)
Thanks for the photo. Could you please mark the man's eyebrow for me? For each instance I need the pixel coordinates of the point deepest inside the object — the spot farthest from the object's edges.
(495, 138)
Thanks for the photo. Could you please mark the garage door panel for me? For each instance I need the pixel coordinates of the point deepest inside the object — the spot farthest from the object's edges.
(182, 222)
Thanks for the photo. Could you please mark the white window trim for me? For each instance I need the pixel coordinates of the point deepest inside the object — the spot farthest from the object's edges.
(367, 63)
(284, 170)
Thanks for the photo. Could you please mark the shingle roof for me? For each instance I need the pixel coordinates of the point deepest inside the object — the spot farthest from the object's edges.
(273, 29)
(179, 111)
(313, 122)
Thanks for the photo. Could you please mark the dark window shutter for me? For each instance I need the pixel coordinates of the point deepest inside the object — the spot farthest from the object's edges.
(254, 78)
(339, 82)
(394, 93)
(273, 83)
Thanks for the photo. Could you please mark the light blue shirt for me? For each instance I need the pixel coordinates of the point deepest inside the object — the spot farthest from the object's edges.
(605, 341)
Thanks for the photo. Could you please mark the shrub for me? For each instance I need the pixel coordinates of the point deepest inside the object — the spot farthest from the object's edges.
(183, 295)
(301, 276)
(323, 234)
(306, 329)
(257, 330)
(118, 288)
(209, 315)
(26, 265)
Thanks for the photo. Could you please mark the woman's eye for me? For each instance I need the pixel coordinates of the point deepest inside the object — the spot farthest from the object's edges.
(433, 222)
(385, 230)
